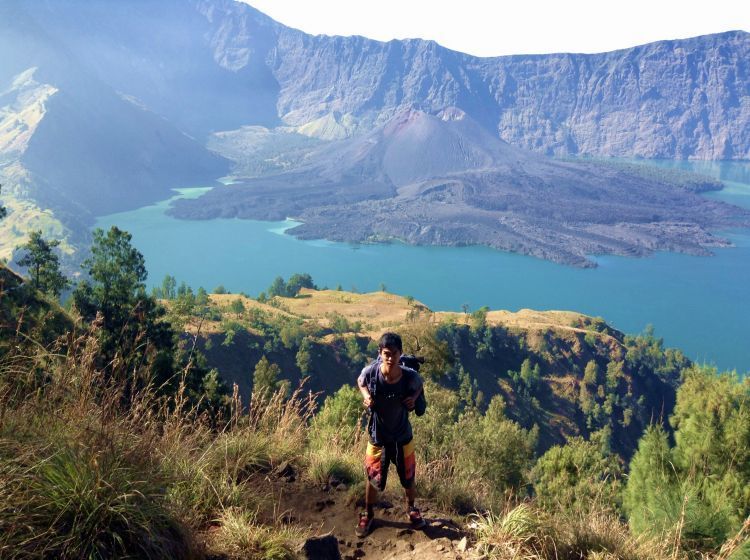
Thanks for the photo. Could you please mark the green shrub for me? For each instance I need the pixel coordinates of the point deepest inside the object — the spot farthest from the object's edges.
(577, 476)
(494, 448)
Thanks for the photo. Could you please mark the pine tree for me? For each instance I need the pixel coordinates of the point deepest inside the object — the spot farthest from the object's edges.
(577, 476)
(304, 356)
(131, 332)
(591, 374)
(43, 264)
(237, 307)
(265, 377)
(168, 287)
(650, 493)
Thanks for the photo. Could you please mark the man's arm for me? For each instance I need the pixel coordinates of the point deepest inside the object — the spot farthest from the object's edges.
(415, 388)
(362, 386)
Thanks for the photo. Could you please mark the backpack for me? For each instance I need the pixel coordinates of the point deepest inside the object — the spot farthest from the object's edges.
(412, 362)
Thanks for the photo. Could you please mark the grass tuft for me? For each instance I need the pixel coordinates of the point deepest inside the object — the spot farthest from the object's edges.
(240, 536)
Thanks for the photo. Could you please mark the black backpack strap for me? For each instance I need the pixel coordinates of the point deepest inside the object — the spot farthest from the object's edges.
(372, 377)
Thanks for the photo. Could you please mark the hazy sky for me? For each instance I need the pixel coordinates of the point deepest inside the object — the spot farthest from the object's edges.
(491, 28)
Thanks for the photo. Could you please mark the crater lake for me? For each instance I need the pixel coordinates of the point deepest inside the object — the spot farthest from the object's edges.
(697, 304)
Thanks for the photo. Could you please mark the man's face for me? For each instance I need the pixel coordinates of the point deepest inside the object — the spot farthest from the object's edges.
(390, 358)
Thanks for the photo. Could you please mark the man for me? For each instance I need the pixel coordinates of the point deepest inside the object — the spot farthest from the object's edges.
(389, 390)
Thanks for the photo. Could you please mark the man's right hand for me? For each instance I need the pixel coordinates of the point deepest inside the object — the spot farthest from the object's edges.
(367, 401)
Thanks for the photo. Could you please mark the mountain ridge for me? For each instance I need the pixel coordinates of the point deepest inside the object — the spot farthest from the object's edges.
(143, 88)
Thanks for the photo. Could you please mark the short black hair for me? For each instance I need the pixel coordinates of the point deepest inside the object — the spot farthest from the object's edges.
(392, 341)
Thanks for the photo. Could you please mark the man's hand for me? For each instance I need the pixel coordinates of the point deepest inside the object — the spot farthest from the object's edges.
(408, 402)
(367, 401)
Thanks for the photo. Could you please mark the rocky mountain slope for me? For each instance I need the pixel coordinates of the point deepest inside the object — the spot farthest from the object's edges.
(671, 99)
(105, 107)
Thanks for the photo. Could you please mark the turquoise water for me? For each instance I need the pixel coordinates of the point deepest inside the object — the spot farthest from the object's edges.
(699, 304)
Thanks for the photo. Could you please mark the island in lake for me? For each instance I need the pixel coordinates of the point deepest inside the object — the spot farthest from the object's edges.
(444, 180)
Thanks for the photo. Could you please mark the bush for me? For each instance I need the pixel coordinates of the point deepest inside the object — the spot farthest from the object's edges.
(494, 448)
(578, 477)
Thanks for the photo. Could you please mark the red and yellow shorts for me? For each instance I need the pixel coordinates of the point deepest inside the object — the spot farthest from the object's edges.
(379, 458)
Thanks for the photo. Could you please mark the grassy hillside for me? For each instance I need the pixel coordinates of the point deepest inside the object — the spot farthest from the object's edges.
(535, 360)
(26, 316)
(97, 464)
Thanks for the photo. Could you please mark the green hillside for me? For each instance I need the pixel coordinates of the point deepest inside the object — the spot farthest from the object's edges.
(566, 373)
(547, 435)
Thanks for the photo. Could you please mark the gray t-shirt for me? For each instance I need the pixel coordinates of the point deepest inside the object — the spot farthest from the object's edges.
(389, 422)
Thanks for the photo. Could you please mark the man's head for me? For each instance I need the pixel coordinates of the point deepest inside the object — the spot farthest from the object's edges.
(390, 349)
(392, 341)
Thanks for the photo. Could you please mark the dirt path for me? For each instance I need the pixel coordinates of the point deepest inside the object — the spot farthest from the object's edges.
(332, 510)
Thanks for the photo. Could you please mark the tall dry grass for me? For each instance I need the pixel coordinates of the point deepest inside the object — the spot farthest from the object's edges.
(524, 531)
(97, 468)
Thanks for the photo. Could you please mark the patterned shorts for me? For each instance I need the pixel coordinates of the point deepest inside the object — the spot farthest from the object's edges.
(379, 458)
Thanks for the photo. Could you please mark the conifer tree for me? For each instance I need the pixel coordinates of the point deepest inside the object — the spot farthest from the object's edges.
(237, 307)
(577, 476)
(591, 374)
(43, 264)
(652, 484)
(265, 377)
(168, 287)
(304, 356)
(131, 331)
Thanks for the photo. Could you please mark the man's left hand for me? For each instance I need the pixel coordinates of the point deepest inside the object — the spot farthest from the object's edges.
(408, 402)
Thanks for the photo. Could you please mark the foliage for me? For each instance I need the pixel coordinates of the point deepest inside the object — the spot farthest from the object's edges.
(577, 476)
(523, 531)
(341, 325)
(495, 448)
(85, 475)
(698, 489)
(71, 500)
(130, 328)
(646, 355)
(43, 264)
(240, 535)
(237, 307)
(265, 377)
(334, 433)
(339, 417)
(422, 338)
(303, 358)
(168, 288)
(712, 433)
(357, 355)
(282, 288)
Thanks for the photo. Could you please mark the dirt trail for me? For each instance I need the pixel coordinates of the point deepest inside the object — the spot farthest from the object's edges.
(332, 509)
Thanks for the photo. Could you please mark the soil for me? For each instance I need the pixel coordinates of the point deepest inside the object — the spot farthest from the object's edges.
(332, 509)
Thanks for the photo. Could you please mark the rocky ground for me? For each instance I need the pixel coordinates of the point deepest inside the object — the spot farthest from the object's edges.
(330, 512)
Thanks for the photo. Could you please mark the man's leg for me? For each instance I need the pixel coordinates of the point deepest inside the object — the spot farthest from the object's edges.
(371, 498)
(375, 478)
(407, 473)
(410, 494)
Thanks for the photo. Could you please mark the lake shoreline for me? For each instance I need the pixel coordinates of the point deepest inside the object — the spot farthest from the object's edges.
(698, 304)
